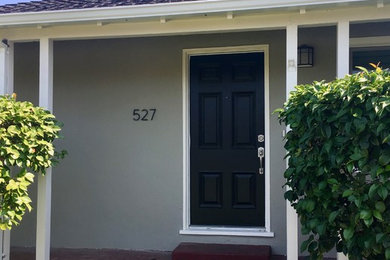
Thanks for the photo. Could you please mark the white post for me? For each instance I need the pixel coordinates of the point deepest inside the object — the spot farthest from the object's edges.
(291, 82)
(6, 87)
(44, 182)
(342, 48)
(342, 67)
(6, 244)
(6, 68)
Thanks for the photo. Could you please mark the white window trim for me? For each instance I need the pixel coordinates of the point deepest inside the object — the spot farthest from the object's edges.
(224, 231)
(361, 42)
(367, 42)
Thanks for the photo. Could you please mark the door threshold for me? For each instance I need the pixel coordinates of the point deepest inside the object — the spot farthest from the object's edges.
(227, 231)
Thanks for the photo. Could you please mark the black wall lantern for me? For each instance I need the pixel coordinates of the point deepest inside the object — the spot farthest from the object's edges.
(305, 56)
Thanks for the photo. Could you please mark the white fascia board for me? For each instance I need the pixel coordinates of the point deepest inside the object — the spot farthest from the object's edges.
(156, 10)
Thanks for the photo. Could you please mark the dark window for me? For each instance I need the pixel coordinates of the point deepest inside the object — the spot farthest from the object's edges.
(363, 58)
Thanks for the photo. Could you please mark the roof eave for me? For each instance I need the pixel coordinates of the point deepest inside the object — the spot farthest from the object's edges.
(155, 10)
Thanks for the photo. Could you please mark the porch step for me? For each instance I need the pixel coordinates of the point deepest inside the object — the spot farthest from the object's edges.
(195, 251)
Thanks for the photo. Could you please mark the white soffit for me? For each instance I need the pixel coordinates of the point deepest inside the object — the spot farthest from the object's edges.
(162, 10)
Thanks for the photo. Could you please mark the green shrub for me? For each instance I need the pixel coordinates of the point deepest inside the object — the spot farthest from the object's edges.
(26, 145)
(338, 150)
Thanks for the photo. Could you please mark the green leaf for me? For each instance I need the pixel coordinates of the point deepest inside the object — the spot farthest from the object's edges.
(14, 154)
(312, 246)
(360, 124)
(372, 191)
(289, 195)
(365, 214)
(364, 70)
(322, 185)
(356, 156)
(321, 229)
(12, 185)
(306, 243)
(13, 130)
(380, 206)
(29, 177)
(328, 131)
(384, 159)
(278, 111)
(333, 215)
(387, 253)
(374, 140)
(379, 237)
(328, 146)
(347, 193)
(348, 233)
(383, 192)
(386, 139)
(333, 181)
(350, 167)
(310, 205)
(289, 172)
(377, 215)
(380, 128)
(368, 222)
(358, 202)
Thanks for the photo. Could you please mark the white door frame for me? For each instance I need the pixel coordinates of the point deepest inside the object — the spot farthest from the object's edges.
(207, 230)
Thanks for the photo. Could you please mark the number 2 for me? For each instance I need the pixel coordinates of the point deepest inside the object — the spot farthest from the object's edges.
(146, 112)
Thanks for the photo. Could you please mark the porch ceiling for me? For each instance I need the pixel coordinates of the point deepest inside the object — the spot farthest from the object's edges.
(47, 12)
(188, 17)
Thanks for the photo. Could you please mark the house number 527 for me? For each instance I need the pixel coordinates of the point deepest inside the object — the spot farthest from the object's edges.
(143, 114)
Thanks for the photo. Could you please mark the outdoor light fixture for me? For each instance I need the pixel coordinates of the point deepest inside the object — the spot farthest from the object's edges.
(305, 56)
(4, 42)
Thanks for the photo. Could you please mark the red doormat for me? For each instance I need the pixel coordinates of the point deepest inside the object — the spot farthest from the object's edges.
(195, 251)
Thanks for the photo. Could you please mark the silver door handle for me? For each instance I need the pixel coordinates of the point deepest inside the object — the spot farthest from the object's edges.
(260, 154)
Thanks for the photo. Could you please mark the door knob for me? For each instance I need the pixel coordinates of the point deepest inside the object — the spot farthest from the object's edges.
(260, 154)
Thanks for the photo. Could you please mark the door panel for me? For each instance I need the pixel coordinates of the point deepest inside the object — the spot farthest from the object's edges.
(226, 115)
(210, 112)
(244, 120)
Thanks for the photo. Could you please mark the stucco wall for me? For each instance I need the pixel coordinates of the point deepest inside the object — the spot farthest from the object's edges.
(121, 185)
(26, 86)
(323, 40)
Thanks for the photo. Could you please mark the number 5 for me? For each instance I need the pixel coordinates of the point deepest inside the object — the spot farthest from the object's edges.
(136, 115)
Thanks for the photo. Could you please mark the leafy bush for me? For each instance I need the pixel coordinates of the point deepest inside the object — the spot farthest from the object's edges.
(338, 151)
(26, 145)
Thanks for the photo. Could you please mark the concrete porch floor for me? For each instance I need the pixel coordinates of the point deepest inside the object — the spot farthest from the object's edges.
(20, 253)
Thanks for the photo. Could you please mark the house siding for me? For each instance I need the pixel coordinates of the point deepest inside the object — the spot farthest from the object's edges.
(121, 186)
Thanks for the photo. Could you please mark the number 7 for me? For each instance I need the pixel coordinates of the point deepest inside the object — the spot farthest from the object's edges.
(153, 112)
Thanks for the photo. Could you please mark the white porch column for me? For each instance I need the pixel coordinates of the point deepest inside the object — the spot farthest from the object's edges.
(342, 67)
(6, 87)
(342, 48)
(291, 82)
(6, 68)
(44, 182)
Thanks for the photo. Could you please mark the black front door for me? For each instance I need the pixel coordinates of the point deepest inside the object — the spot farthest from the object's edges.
(226, 117)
